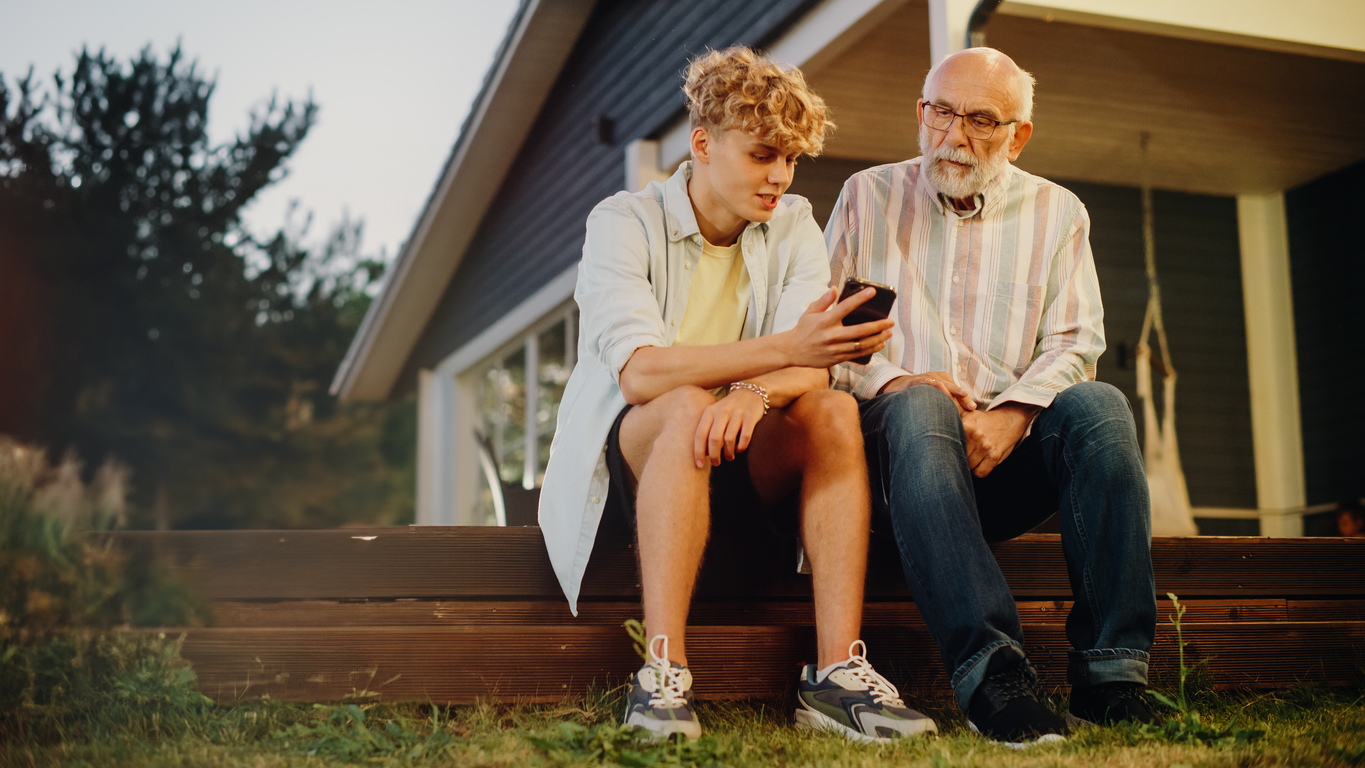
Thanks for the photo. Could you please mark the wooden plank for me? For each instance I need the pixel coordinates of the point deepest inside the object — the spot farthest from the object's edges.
(469, 663)
(1326, 610)
(444, 613)
(494, 563)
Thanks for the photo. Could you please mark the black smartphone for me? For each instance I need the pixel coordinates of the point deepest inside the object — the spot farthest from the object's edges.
(876, 308)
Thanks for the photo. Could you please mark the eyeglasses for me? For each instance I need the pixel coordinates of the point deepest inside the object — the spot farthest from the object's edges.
(977, 127)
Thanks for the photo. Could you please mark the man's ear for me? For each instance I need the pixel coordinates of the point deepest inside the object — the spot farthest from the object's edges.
(1022, 132)
(701, 145)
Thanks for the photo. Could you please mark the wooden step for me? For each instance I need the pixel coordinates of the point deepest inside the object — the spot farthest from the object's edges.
(463, 664)
(492, 613)
(455, 615)
(446, 562)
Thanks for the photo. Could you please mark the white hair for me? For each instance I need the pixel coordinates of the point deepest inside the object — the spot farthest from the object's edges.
(1023, 88)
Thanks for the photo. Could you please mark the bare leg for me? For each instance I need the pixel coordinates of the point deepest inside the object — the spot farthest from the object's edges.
(672, 508)
(816, 442)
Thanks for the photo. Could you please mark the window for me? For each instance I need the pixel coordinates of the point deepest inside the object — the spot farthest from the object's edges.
(520, 388)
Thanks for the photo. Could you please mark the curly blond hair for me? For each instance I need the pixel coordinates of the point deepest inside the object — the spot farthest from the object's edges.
(739, 89)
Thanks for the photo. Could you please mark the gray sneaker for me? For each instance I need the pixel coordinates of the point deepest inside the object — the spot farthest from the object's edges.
(660, 697)
(857, 702)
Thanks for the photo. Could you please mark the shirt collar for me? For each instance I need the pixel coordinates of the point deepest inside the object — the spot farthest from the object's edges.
(678, 213)
(948, 207)
(991, 197)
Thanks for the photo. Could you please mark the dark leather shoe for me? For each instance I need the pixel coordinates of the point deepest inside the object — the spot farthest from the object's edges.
(1005, 707)
(1110, 703)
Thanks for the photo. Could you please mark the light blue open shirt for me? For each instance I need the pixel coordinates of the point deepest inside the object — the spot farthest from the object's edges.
(632, 292)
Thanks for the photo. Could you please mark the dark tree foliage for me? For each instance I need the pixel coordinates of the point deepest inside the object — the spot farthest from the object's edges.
(138, 319)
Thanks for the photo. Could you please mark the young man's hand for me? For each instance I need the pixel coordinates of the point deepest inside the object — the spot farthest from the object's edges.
(726, 427)
(820, 339)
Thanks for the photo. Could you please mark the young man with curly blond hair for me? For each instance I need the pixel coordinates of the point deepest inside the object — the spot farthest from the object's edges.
(701, 396)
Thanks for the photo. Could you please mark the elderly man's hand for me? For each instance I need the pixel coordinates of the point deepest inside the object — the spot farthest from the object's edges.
(992, 435)
(939, 380)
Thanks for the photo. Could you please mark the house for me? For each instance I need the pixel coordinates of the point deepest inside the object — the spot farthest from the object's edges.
(1256, 155)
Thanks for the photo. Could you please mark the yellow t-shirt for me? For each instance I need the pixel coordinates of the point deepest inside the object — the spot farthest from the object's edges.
(717, 300)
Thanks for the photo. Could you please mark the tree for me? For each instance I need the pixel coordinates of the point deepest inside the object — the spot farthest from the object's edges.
(139, 318)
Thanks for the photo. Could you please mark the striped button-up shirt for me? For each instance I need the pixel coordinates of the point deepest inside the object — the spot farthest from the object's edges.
(1004, 299)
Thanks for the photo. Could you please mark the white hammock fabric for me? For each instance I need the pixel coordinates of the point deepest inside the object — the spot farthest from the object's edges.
(1171, 513)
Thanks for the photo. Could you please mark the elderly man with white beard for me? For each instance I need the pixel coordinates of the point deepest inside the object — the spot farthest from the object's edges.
(981, 418)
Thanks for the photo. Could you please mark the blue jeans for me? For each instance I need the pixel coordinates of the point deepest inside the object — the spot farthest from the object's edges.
(1081, 458)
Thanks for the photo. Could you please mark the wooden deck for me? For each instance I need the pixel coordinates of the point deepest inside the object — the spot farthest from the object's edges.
(458, 614)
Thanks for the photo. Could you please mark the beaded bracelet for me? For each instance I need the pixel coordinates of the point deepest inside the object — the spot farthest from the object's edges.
(756, 389)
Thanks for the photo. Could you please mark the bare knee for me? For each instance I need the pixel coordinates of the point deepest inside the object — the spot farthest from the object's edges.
(681, 408)
(828, 419)
(677, 413)
(669, 421)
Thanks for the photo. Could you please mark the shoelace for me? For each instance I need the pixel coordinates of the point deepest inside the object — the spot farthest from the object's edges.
(1011, 684)
(670, 687)
(883, 692)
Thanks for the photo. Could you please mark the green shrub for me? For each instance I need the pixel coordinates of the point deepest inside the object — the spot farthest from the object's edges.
(64, 593)
(87, 685)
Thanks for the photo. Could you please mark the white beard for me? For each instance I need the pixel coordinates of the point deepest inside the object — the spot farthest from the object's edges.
(958, 183)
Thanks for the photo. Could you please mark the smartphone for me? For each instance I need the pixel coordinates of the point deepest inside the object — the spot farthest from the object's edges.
(876, 308)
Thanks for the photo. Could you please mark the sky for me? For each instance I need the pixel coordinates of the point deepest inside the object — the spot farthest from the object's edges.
(393, 82)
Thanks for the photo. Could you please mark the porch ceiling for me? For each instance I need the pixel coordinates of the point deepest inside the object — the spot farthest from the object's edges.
(1223, 119)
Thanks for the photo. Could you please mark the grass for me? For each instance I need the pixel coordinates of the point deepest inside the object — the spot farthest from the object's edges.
(1303, 727)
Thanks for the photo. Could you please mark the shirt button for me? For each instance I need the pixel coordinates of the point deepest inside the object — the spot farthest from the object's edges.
(952, 331)
(955, 279)
(687, 266)
(959, 222)
(597, 499)
(674, 322)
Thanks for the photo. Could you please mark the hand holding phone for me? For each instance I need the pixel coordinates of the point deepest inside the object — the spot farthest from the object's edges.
(825, 337)
(876, 308)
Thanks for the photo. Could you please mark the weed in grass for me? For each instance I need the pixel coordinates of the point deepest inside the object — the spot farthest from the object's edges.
(1186, 726)
(638, 641)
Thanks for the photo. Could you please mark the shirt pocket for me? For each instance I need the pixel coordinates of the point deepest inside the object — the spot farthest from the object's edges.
(1016, 313)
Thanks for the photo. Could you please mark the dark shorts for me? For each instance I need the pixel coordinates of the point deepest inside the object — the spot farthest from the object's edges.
(736, 507)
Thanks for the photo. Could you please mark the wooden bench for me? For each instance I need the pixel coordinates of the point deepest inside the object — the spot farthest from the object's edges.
(456, 615)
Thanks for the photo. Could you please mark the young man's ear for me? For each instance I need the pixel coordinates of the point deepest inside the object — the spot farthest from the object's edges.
(701, 145)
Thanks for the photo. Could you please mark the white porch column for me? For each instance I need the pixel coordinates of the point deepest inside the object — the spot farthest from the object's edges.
(948, 27)
(447, 452)
(642, 165)
(435, 417)
(463, 467)
(1272, 363)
